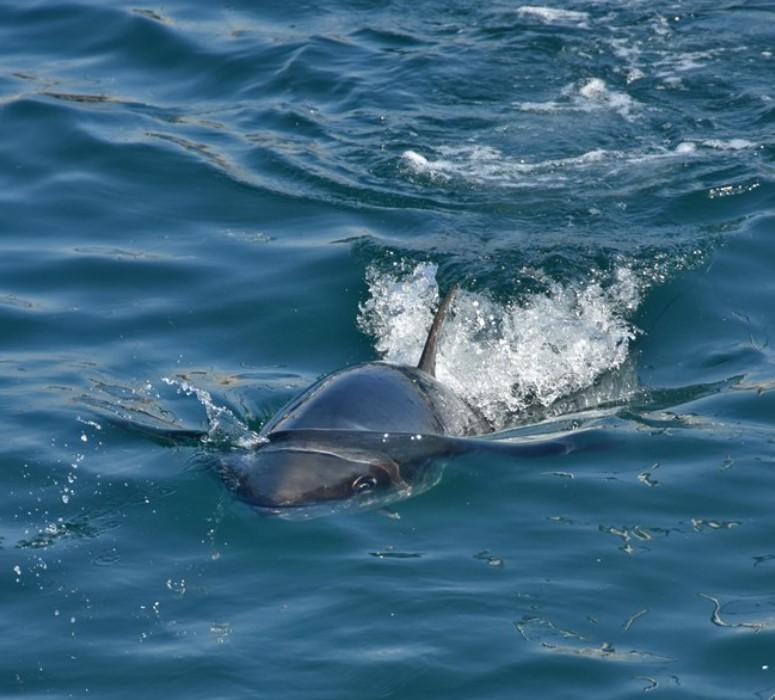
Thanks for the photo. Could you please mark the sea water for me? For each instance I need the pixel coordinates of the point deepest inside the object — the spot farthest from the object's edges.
(204, 207)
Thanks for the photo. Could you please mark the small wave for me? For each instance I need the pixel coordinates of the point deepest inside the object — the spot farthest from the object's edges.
(506, 358)
(693, 147)
(589, 96)
(596, 92)
(487, 165)
(553, 15)
(729, 145)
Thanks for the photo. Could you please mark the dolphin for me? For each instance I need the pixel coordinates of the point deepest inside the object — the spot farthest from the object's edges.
(364, 435)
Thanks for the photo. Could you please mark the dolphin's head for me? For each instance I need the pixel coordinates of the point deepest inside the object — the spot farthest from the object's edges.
(287, 480)
(288, 476)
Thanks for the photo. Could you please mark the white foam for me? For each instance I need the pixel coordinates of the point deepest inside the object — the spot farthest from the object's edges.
(505, 358)
(682, 62)
(669, 66)
(487, 165)
(685, 148)
(589, 96)
(691, 147)
(553, 14)
(548, 106)
(597, 93)
(730, 145)
(420, 164)
(416, 160)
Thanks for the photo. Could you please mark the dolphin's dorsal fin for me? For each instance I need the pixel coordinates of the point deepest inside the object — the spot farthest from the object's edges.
(428, 357)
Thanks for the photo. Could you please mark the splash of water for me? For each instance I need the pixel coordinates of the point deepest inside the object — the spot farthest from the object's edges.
(224, 426)
(399, 310)
(506, 358)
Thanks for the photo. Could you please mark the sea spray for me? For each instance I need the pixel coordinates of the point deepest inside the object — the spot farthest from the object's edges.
(506, 358)
(223, 425)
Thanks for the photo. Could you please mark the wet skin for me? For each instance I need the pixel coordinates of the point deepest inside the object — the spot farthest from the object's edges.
(366, 433)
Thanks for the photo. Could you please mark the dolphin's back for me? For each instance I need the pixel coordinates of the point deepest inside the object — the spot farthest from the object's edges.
(379, 397)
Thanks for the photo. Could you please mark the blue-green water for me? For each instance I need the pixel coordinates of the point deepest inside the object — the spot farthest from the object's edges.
(237, 198)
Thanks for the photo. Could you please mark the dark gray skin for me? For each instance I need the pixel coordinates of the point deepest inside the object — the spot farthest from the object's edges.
(361, 436)
(363, 433)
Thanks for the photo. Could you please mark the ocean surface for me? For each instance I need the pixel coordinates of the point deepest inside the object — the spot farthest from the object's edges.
(205, 207)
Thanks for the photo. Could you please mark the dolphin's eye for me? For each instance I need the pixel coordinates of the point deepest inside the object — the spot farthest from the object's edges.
(364, 484)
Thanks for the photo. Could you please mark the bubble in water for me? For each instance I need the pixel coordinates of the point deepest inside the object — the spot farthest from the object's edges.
(221, 631)
(177, 587)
